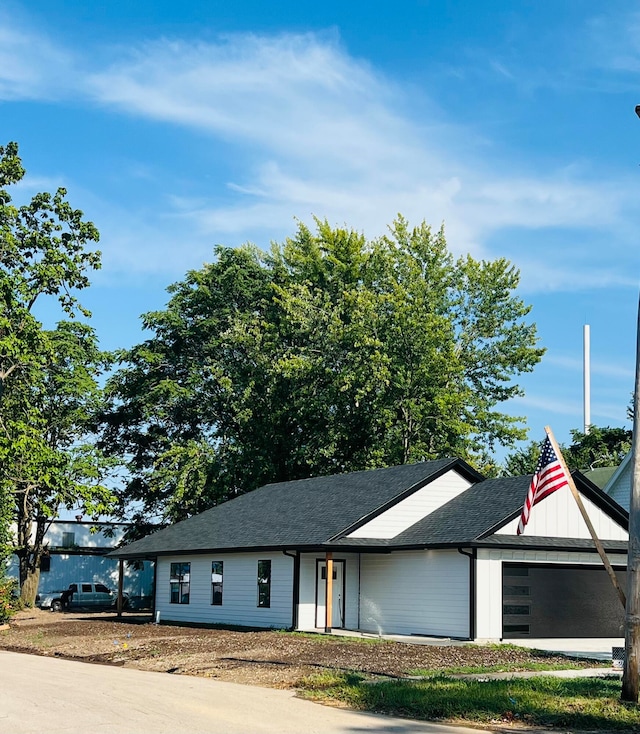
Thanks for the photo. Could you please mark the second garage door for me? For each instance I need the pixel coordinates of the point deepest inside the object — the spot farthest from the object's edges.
(560, 601)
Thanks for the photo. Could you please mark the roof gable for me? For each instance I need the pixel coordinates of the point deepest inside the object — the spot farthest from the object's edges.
(558, 515)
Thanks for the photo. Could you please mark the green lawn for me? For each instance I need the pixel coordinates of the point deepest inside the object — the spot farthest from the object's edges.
(582, 703)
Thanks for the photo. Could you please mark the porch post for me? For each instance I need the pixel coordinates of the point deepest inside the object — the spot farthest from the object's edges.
(329, 592)
(120, 584)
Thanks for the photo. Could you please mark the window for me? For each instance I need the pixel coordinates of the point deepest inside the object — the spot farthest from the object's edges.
(264, 583)
(216, 582)
(102, 589)
(68, 540)
(179, 583)
(86, 589)
(516, 609)
(516, 591)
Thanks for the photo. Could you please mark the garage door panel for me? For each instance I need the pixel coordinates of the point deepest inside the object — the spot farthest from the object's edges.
(560, 601)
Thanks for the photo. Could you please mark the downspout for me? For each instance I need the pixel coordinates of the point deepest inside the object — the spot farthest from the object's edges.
(472, 556)
(296, 587)
(153, 586)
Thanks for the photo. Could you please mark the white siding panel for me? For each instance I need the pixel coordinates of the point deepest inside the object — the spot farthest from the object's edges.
(489, 581)
(620, 490)
(418, 505)
(415, 592)
(558, 516)
(239, 591)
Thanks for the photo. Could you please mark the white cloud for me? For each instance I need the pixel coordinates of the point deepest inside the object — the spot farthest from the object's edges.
(319, 132)
(31, 66)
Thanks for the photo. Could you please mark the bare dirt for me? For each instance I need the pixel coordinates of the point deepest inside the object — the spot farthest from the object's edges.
(266, 658)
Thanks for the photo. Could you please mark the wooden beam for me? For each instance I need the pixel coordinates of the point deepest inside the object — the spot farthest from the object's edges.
(328, 608)
(587, 519)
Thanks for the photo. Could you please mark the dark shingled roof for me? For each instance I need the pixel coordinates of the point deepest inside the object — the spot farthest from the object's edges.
(320, 512)
(307, 512)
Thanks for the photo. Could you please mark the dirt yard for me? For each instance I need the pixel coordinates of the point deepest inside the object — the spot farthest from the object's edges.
(266, 658)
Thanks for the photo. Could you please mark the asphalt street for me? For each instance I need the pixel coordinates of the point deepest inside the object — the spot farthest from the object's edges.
(41, 694)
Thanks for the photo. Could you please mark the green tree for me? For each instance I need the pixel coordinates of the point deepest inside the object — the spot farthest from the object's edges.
(331, 353)
(601, 447)
(48, 376)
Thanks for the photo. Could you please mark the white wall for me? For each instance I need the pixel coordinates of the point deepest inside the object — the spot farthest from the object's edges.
(413, 508)
(239, 592)
(415, 592)
(558, 516)
(489, 581)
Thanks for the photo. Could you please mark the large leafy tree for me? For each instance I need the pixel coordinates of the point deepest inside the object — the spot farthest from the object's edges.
(48, 377)
(331, 353)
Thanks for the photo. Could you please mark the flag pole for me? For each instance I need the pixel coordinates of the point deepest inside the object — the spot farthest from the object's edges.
(585, 516)
(632, 617)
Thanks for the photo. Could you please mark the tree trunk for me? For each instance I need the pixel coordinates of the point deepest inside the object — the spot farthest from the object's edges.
(29, 586)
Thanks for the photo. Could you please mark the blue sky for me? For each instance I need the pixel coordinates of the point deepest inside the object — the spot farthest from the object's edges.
(178, 126)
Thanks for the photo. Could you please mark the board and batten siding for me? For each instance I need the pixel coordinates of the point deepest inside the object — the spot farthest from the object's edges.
(239, 591)
(408, 511)
(415, 592)
(308, 582)
(489, 581)
(558, 516)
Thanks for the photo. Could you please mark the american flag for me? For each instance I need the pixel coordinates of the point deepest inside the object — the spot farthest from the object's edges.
(549, 476)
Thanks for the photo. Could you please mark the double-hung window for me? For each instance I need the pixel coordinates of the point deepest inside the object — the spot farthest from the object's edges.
(180, 583)
(264, 583)
(217, 570)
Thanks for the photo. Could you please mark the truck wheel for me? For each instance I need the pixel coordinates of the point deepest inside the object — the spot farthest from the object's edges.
(56, 605)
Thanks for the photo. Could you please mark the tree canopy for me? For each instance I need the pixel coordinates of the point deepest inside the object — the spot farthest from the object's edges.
(48, 376)
(331, 353)
(600, 447)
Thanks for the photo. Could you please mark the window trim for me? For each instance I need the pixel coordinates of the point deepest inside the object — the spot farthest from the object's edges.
(183, 588)
(214, 602)
(264, 587)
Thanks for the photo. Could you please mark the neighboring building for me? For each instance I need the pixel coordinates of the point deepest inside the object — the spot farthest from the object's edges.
(77, 551)
(601, 475)
(428, 549)
(619, 486)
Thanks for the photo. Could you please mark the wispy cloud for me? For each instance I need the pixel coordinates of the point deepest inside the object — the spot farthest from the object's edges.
(320, 132)
(597, 367)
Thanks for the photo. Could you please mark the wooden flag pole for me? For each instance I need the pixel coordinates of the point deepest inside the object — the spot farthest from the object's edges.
(586, 518)
(630, 684)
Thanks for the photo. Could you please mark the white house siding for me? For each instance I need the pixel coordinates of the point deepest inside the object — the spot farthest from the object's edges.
(239, 591)
(415, 592)
(489, 581)
(418, 505)
(558, 516)
(307, 607)
(619, 487)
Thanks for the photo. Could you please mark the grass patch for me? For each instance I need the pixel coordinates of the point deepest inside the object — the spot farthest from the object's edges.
(335, 639)
(581, 703)
(508, 667)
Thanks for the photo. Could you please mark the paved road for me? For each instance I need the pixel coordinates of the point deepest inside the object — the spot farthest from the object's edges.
(40, 695)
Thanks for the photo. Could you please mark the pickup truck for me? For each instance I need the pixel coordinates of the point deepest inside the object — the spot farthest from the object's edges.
(83, 594)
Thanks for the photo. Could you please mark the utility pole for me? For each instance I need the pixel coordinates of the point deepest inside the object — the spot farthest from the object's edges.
(632, 615)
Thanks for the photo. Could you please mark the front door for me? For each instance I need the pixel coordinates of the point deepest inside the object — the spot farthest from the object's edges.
(337, 607)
